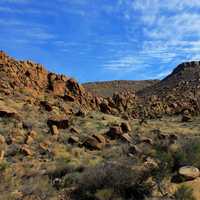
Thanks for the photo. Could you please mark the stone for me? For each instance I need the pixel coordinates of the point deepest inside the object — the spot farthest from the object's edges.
(59, 87)
(2, 153)
(125, 126)
(100, 138)
(105, 108)
(74, 130)
(54, 130)
(146, 140)
(73, 140)
(32, 134)
(29, 140)
(133, 149)
(115, 132)
(62, 122)
(68, 97)
(81, 113)
(26, 151)
(186, 118)
(189, 172)
(2, 140)
(46, 105)
(8, 112)
(94, 143)
(126, 138)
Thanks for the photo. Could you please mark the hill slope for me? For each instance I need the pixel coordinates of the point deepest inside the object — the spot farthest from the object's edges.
(185, 78)
(108, 88)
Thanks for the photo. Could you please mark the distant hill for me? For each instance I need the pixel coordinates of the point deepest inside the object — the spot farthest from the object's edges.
(184, 79)
(107, 88)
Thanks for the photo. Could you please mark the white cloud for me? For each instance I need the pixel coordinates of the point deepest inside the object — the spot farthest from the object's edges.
(170, 34)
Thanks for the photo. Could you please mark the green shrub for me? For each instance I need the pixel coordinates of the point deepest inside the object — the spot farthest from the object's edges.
(184, 193)
(189, 153)
(3, 166)
(118, 178)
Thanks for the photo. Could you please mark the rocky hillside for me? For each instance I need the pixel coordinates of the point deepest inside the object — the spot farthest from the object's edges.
(26, 75)
(108, 88)
(185, 78)
(59, 142)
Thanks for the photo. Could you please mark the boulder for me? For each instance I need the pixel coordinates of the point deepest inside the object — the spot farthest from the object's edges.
(186, 118)
(58, 87)
(125, 126)
(189, 172)
(105, 108)
(62, 122)
(32, 134)
(68, 97)
(54, 130)
(146, 140)
(2, 140)
(8, 112)
(74, 130)
(46, 105)
(73, 140)
(133, 149)
(100, 138)
(26, 150)
(94, 143)
(126, 138)
(115, 132)
(81, 113)
(2, 153)
(29, 140)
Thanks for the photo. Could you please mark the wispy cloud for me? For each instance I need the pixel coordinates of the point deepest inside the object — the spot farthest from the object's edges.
(170, 34)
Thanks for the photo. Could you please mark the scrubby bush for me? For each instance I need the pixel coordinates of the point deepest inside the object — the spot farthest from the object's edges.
(118, 180)
(189, 153)
(184, 193)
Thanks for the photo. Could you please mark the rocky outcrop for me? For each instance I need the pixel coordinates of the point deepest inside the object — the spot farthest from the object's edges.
(29, 77)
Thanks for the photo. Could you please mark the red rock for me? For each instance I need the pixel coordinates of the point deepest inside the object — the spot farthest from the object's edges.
(8, 112)
(26, 151)
(126, 138)
(73, 140)
(62, 122)
(54, 130)
(94, 143)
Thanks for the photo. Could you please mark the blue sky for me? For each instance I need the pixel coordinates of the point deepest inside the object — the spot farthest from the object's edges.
(94, 40)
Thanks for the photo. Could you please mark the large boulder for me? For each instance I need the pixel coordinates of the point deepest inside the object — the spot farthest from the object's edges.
(96, 142)
(62, 122)
(189, 172)
(8, 112)
(115, 132)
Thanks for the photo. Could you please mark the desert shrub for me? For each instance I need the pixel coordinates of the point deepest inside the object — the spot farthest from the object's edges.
(117, 180)
(184, 193)
(164, 169)
(3, 166)
(189, 154)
